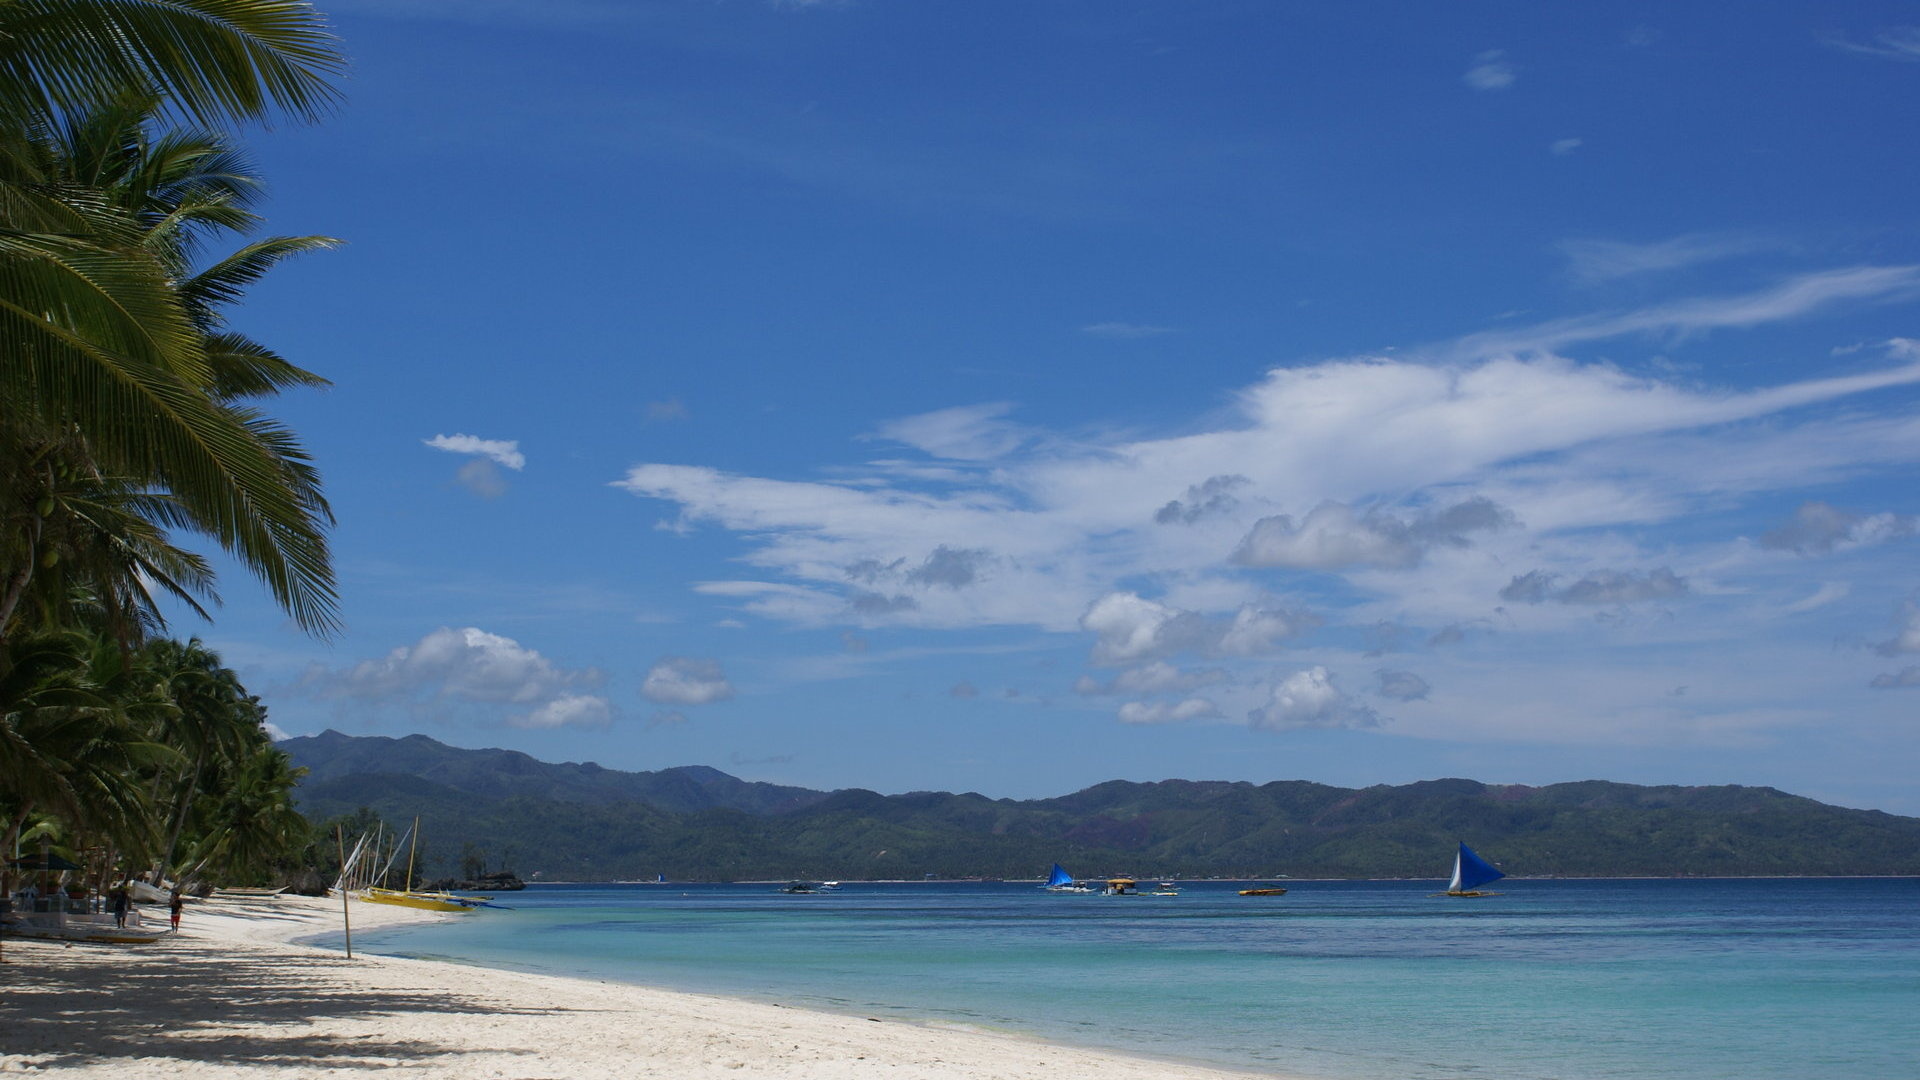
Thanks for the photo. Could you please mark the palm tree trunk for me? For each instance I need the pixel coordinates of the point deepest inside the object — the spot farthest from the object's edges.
(190, 787)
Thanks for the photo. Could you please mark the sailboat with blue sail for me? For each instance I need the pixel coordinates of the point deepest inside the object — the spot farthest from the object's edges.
(1470, 871)
(1061, 881)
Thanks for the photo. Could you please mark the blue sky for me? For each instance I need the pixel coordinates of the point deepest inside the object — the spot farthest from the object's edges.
(1011, 396)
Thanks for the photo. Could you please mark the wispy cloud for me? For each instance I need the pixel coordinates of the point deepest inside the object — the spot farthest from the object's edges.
(1491, 70)
(1793, 298)
(1125, 330)
(1894, 43)
(1563, 147)
(1593, 261)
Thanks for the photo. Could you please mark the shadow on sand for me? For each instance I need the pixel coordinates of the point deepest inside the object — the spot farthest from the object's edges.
(66, 1007)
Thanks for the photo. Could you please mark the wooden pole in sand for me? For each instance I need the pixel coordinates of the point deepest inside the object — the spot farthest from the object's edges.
(346, 920)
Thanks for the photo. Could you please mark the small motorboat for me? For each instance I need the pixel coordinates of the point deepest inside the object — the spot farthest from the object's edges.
(1265, 890)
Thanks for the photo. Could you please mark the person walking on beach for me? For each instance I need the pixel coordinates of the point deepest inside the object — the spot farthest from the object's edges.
(173, 908)
(120, 904)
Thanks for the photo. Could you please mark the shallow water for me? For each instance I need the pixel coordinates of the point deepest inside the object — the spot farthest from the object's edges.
(1581, 980)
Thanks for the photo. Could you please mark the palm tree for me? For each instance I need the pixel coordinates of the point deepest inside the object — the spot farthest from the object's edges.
(103, 339)
(167, 194)
(214, 61)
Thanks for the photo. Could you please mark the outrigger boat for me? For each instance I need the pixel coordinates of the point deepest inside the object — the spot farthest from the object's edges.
(421, 901)
(1060, 881)
(1470, 871)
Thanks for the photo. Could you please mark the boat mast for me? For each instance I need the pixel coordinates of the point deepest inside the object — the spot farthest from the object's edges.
(411, 847)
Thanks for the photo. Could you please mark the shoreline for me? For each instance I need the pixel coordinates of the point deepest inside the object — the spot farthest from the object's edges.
(238, 992)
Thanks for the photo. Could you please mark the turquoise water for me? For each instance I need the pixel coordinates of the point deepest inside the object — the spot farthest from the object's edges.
(1581, 980)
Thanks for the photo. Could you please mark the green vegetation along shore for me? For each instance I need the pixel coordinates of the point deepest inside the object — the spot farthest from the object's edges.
(583, 822)
(131, 422)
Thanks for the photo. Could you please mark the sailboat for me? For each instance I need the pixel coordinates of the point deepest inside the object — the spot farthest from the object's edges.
(423, 901)
(1470, 871)
(1061, 881)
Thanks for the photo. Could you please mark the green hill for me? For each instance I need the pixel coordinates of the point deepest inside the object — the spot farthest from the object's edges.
(584, 822)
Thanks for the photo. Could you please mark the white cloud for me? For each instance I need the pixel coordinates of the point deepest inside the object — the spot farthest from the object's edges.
(1130, 538)
(1791, 299)
(466, 664)
(1309, 699)
(568, 710)
(1905, 677)
(1818, 528)
(660, 412)
(1125, 330)
(274, 731)
(1596, 587)
(1893, 43)
(1158, 677)
(1563, 147)
(482, 477)
(1827, 593)
(504, 451)
(1907, 639)
(962, 433)
(1595, 261)
(473, 670)
(1401, 686)
(685, 680)
(1160, 712)
(1129, 628)
(1490, 71)
(1333, 536)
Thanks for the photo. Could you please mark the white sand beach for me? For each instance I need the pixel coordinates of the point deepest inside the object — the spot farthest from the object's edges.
(231, 995)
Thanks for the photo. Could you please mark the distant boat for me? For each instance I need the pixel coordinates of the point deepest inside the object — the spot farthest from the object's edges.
(1061, 881)
(1470, 871)
(1167, 888)
(829, 886)
(1265, 890)
(1121, 886)
(798, 887)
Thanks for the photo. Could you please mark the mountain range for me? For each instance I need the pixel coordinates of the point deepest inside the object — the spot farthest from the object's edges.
(579, 821)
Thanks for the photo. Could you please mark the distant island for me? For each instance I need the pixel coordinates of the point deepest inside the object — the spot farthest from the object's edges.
(582, 822)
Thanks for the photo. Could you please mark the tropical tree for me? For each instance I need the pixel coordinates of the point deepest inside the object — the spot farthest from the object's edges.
(128, 414)
(169, 193)
(105, 341)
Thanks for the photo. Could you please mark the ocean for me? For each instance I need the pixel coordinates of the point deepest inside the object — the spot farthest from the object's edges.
(1747, 979)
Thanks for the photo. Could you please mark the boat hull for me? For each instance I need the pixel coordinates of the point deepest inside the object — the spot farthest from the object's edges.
(1263, 892)
(417, 901)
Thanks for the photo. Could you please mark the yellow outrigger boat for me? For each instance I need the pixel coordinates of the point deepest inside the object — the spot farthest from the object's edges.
(421, 901)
